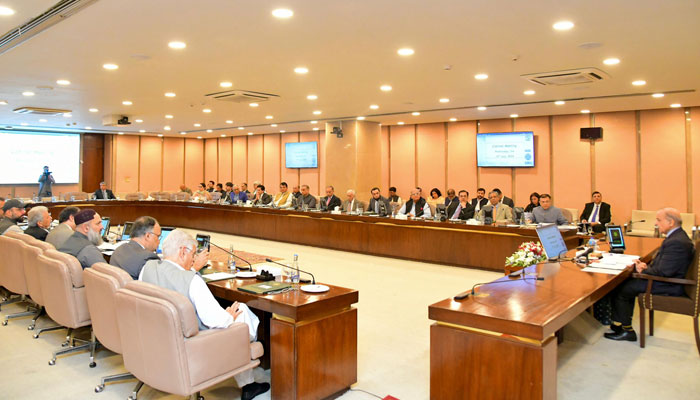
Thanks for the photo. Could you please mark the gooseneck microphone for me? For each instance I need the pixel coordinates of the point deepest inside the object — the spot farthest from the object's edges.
(250, 267)
(313, 279)
(468, 293)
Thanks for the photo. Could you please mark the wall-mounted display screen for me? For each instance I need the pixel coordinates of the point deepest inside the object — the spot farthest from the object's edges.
(301, 155)
(505, 149)
(25, 154)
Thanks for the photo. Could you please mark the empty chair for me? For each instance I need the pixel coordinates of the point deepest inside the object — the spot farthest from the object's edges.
(62, 286)
(642, 223)
(75, 195)
(573, 212)
(134, 196)
(567, 215)
(215, 196)
(688, 223)
(12, 275)
(180, 196)
(101, 284)
(163, 346)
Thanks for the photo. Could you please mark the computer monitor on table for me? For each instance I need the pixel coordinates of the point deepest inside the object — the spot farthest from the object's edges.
(105, 226)
(616, 238)
(126, 233)
(552, 241)
(164, 232)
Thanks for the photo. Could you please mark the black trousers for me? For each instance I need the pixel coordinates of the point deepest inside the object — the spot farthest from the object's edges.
(624, 296)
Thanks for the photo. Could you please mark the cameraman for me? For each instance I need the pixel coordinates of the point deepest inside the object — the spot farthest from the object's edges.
(45, 182)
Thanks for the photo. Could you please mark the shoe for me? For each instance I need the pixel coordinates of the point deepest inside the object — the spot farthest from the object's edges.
(616, 328)
(251, 390)
(629, 336)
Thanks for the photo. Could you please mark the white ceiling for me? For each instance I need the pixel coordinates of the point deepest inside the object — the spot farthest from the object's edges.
(350, 49)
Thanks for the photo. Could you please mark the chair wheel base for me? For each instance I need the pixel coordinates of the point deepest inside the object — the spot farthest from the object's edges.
(99, 388)
(93, 364)
(36, 336)
(52, 362)
(4, 323)
(64, 344)
(30, 328)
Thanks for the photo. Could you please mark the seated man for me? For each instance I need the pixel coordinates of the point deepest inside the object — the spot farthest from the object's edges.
(244, 189)
(210, 186)
(103, 193)
(65, 228)
(2, 201)
(141, 247)
(351, 203)
(283, 199)
(39, 221)
(451, 198)
(185, 189)
(220, 189)
(378, 204)
(546, 213)
(237, 195)
(671, 261)
(13, 210)
(393, 197)
(596, 213)
(330, 201)
(504, 199)
(500, 212)
(305, 199)
(84, 241)
(295, 191)
(261, 198)
(178, 271)
(202, 193)
(227, 193)
(480, 200)
(416, 206)
(461, 209)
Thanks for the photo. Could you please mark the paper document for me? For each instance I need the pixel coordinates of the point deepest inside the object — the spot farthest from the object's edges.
(610, 271)
(109, 246)
(217, 276)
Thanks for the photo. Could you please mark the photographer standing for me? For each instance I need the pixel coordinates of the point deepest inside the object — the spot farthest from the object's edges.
(45, 182)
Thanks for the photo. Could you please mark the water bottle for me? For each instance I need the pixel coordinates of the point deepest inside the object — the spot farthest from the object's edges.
(592, 243)
(295, 271)
(231, 259)
(119, 232)
(35, 198)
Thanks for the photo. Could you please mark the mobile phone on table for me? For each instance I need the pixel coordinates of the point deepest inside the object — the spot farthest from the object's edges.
(203, 242)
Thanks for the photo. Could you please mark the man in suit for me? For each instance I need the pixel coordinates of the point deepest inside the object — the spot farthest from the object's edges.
(462, 208)
(227, 193)
(84, 241)
(504, 199)
(46, 182)
(261, 198)
(13, 210)
(500, 212)
(103, 193)
(283, 199)
(416, 206)
(378, 204)
(295, 191)
(39, 221)
(210, 186)
(597, 213)
(451, 198)
(351, 203)
(330, 201)
(65, 228)
(480, 200)
(244, 189)
(305, 199)
(237, 195)
(141, 247)
(547, 213)
(393, 197)
(671, 261)
(185, 189)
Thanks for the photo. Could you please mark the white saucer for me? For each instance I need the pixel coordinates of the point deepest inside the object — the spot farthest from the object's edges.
(246, 274)
(315, 288)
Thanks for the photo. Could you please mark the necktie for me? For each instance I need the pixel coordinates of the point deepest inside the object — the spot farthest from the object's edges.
(456, 214)
(594, 215)
(328, 201)
(376, 206)
(104, 194)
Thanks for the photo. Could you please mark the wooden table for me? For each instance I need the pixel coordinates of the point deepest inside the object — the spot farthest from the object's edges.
(484, 247)
(310, 340)
(500, 343)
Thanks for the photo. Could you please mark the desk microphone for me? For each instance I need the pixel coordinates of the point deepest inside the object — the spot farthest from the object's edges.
(250, 267)
(586, 253)
(313, 279)
(634, 222)
(466, 294)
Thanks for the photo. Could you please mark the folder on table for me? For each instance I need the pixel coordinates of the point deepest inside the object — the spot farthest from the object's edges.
(265, 287)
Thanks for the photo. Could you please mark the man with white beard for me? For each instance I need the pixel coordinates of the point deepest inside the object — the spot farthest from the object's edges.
(84, 241)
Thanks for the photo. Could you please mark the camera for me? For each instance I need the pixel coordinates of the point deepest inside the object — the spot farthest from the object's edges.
(338, 132)
(123, 121)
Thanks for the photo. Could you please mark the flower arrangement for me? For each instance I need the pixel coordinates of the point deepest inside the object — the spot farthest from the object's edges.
(528, 253)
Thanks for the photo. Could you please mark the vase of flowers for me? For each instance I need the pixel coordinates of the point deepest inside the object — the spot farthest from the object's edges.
(528, 253)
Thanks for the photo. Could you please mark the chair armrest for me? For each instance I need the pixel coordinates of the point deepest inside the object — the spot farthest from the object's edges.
(215, 352)
(664, 279)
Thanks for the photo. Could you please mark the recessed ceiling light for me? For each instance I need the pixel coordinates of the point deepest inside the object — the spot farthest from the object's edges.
(225, 84)
(206, 110)
(312, 97)
(120, 133)
(169, 116)
(639, 83)
(250, 133)
(385, 88)
(405, 51)
(444, 100)
(240, 128)
(160, 135)
(167, 128)
(199, 137)
(675, 105)
(657, 95)
(400, 123)
(3, 102)
(373, 106)
(317, 112)
(560, 102)
(529, 92)
(169, 94)
(43, 120)
(197, 125)
(183, 133)
(273, 125)
(269, 117)
(110, 67)
(481, 108)
(585, 111)
(282, 131)
(282, 13)
(301, 70)
(177, 45)
(415, 113)
(127, 102)
(24, 124)
(453, 119)
(88, 127)
(514, 115)
(223, 135)
(563, 25)
(253, 104)
(142, 130)
(209, 131)
(63, 82)
(315, 129)
(28, 94)
(360, 118)
(6, 11)
(611, 61)
(228, 121)
(314, 122)
(67, 115)
(93, 110)
(138, 121)
(481, 77)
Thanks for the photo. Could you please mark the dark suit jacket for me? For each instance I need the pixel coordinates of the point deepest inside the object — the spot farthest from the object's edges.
(508, 201)
(131, 257)
(483, 202)
(464, 214)
(384, 206)
(98, 194)
(264, 199)
(672, 261)
(604, 215)
(335, 202)
(37, 232)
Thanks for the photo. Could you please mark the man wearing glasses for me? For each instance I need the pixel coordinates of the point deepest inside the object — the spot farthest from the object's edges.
(142, 246)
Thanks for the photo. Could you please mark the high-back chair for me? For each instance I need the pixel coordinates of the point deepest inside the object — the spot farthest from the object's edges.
(689, 304)
(568, 215)
(180, 196)
(12, 275)
(62, 286)
(642, 223)
(163, 346)
(101, 284)
(215, 196)
(134, 196)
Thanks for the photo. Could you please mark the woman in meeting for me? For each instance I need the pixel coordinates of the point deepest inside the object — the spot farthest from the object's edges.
(436, 197)
(202, 192)
(534, 202)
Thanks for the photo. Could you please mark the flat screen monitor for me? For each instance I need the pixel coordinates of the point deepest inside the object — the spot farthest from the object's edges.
(301, 155)
(126, 233)
(105, 226)
(505, 149)
(164, 232)
(551, 240)
(31, 151)
(616, 238)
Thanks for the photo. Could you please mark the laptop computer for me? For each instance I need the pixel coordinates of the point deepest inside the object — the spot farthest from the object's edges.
(126, 233)
(616, 239)
(105, 226)
(164, 232)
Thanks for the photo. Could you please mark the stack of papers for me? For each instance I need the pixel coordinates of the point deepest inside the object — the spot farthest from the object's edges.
(108, 248)
(611, 263)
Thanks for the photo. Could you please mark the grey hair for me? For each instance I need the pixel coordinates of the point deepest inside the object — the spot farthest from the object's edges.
(350, 191)
(493, 191)
(36, 214)
(674, 215)
(175, 240)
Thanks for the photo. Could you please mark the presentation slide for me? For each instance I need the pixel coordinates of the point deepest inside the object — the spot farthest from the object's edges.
(24, 155)
(507, 149)
(301, 155)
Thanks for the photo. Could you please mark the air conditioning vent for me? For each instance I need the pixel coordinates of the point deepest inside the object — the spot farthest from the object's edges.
(242, 96)
(568, 77)
(40, 111)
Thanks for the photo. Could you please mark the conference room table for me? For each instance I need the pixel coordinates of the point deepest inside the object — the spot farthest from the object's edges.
(500, 343)
(450, 243)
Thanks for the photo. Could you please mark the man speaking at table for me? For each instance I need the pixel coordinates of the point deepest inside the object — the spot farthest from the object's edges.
(103, 193)
(671, 261)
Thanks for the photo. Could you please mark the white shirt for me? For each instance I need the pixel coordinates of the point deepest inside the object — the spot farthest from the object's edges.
(287, 203)
(426, 210)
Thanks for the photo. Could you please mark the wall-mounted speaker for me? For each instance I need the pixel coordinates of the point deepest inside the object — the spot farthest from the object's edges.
(592, 133)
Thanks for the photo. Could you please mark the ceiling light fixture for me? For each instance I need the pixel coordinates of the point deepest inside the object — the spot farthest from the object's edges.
(273, 125)
(444, 100)
(142, 130)
(167, 128)
(481, 108)
(5, 11)
(3, 102)
(314, 122)
(611, 61)
(88, 128)
(160, 135)
(400, 123)
(316, 129)
(67, 115)
(120, 133)
(453, 119)
(197, 125)
(225, 84)
(110, 67)
(43, 120)
(373, 106)
(301, 70)
(24, 124)
(585, 111)
(657, 95)
(269, 117)
(138, 121)
(169, 116)
(360, 118)
(28, 94)
(206, 110)
(250, 133)
(209, 131)
(93, 110)
(253, 104)
(177, 45)
(169, 94)
(481, 77)
(317, 112)
(560, 102)
(127, 102)
(415, 113)
(529, 92)
(63, 82)
(228, 121)
(312, 97)
(514, 115)
(240, 128)
(223, 135)
(675, 105)
(282, 13)
(563, 25)
(385, 88)
(405, 51)
(639, 83)
(183, 133)
(199, 137)
(282, 131)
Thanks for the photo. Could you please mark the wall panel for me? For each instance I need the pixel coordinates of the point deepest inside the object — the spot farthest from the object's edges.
(403, 159)
(528, 180)
(289, 175)
(310, 176)
(430, 157)
(695, 146)
(322, 163)
(384, 139)
(173, 163)
(272, 162)
(151, 157)
(224, 160)
(491, 178)
(461, 156)
(572, 161)
(127, 160)
(194, 163)
(240, 159)
(255, 160)
(211, 163)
